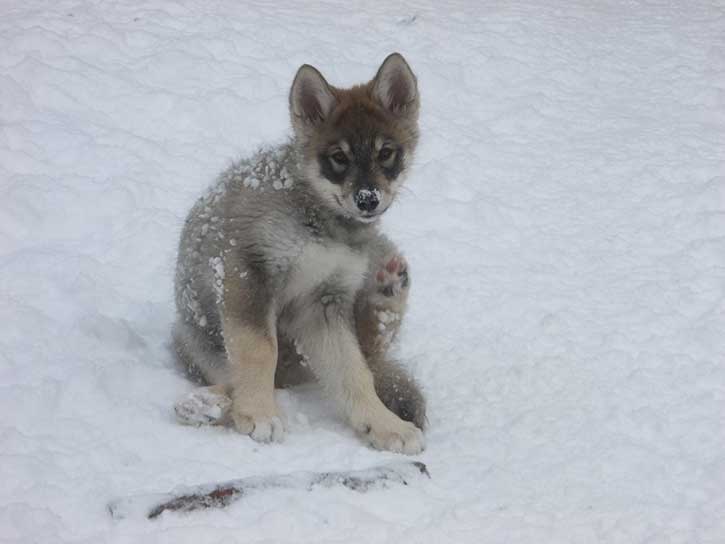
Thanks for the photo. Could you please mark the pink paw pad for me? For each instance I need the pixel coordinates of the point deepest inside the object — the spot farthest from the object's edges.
(393, 277)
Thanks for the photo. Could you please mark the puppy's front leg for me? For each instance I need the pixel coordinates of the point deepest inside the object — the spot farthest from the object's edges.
(250, 339)
(326, 336)
(252, 361)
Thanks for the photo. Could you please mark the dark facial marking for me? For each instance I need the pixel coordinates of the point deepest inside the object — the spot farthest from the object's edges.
(395, 167)
(328, 171)
(360, 125)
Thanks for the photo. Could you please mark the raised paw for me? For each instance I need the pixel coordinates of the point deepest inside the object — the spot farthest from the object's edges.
(401, 437)
(260, 428)
(393, 279)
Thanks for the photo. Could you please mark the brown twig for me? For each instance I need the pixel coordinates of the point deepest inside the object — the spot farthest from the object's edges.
(222, 494)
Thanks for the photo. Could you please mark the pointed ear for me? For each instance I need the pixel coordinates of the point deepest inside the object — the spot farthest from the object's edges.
(395, 85)
(311, 99)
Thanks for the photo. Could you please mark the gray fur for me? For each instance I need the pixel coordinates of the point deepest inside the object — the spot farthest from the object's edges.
(399, 391)
(266, 245)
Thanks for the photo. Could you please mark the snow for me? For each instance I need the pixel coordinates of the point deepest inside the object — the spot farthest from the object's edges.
(217, 266)
(265, 168)
(198, 497)
(564, 223)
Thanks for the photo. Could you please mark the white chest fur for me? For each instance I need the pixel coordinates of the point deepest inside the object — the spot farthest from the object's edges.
(319, 263)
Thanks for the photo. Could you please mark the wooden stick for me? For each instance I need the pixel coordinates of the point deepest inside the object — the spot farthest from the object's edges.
(219, 495)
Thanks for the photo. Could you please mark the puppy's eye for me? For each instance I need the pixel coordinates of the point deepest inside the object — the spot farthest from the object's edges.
(339, 158)
(385, 154)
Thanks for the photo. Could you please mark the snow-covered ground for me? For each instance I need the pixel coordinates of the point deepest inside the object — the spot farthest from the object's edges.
(565, 226)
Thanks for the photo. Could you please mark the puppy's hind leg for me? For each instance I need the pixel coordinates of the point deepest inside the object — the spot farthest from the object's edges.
(292, 366)
(209, 405)
(202, 359)
(398, 390)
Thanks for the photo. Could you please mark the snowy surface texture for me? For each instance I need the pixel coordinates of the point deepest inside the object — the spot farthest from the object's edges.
(565, 226)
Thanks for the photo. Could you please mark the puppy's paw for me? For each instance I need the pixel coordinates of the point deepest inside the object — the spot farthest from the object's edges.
(392, 279)
(203, 406)
(400, 437)
(403, 397)
(261, 428)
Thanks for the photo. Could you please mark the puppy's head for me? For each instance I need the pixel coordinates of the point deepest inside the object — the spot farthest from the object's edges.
(356, 144)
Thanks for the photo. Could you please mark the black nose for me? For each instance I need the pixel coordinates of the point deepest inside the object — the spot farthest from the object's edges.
(367, 199)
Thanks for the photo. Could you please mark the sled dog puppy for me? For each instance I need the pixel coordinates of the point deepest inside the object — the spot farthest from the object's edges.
(283, 274)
